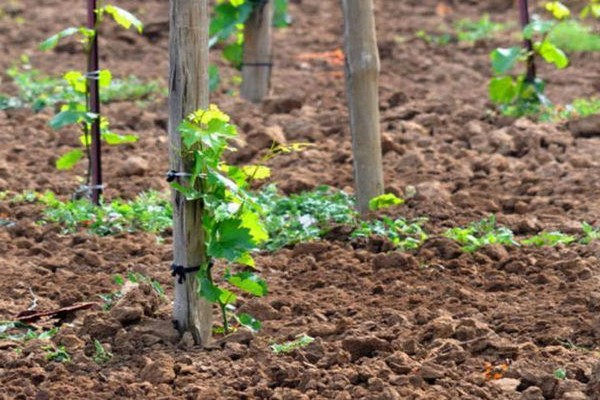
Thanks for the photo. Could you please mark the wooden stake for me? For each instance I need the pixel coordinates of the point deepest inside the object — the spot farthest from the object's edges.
(188, 85)
(256, 71)
(524, 19)
(362, 80)
(94, 106)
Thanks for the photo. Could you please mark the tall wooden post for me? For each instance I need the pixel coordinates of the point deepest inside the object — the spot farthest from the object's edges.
(188, 91)
(362, 80)
(256, 70)
(94, 106)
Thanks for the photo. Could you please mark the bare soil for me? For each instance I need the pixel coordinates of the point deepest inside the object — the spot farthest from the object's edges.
(387, 325)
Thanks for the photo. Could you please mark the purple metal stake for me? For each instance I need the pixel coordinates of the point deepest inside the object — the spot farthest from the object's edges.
(524, 18)
(94, 105)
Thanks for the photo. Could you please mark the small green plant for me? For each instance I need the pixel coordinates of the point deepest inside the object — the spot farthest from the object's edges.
(79, 112)
(578, 108)
(148, 212)
(560, 374)
(101, 356)
(404, 235)
(57, 354)
(591, 9)
(19, 331)
(474, 31)
(298, 343)
(110, 299)
(231, 221)
(572, 35)
(480, 234)
(589, 233)
(438, 40)
(465, 30)
(549, 239)
(524, 94)
(305, 216)
(38, 91)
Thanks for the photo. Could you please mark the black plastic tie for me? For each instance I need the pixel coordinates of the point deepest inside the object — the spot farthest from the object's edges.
(181, 272)
(172, 175)
(94, 75)
(257, 64)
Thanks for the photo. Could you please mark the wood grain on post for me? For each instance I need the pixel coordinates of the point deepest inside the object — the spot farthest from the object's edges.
(256, 70)
(362, 80)
(188, 91)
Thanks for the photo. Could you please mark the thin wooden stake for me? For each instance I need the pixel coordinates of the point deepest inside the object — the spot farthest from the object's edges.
(256, 70)
(188, 86)
(94, 106)
(362, 80)
(524, 18)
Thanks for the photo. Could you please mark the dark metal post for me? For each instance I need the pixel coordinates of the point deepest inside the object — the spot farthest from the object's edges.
(524, 17)
(94, 105)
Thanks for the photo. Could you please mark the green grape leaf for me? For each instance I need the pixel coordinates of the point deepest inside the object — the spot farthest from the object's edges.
(234, 53)
(214, 78)
(252, 222)
(247, 260)
(76, 80)
(504, 59)
(553, 54)
(558, 9)
(502, 89)
(209, 291)
(249, 283)
(281, 17)
(593, 9)
(104, 78)
(114, 138)
(69, 159)
(85, 140)
(52, 41)
(229, 240)
(70, 117)
(256, 171)
(249, 322)
(124, 17)
(537, 26)
(384, 201)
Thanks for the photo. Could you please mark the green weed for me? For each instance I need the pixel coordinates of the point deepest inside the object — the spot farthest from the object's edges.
(287, 347)
(57, 354)
(110, 299)
(149, 212)
(404, 235)
(19, 331)
(465, 30)
(38, 91)
(101, 356)
(549, 239)
(480, 234)
(589, 233)
(303, 217)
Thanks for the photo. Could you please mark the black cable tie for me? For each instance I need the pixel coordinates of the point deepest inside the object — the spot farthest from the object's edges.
(172, 175)
(93, 75)
(257, 64)
(181, 271)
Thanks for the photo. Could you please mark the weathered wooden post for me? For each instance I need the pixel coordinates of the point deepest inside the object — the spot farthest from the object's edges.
(362, 80)
(188, 86)
(256, 69)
